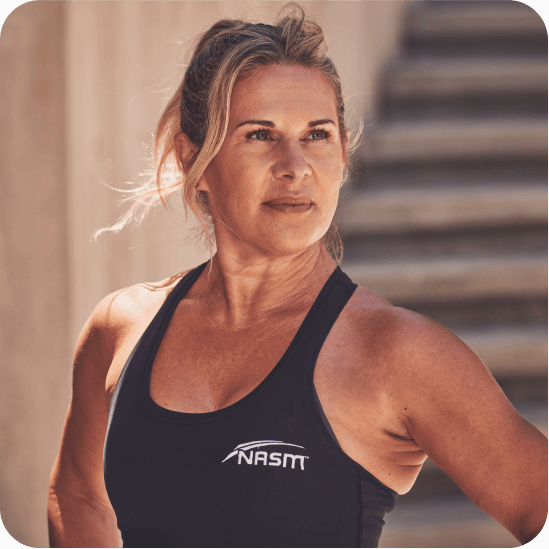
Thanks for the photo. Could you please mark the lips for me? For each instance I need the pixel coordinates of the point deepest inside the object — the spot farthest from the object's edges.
(289, 208)
(290, 204)
(289, 200)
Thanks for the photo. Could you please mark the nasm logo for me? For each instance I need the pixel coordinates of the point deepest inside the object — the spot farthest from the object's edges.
(247, 454)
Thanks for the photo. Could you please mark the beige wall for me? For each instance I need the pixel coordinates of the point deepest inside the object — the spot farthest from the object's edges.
(34, 275)
(82, 86)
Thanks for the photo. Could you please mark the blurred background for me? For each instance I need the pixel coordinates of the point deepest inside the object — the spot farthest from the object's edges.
(447, 217)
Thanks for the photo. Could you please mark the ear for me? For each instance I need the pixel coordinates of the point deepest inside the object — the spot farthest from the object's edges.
(185, 150)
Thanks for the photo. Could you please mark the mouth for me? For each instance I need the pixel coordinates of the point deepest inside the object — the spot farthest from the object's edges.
(290, 204)
(289, 208)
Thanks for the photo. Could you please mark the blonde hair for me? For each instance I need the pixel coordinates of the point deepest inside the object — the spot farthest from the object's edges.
(230, 50)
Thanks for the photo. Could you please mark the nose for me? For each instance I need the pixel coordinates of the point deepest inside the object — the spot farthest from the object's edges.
(291, 163)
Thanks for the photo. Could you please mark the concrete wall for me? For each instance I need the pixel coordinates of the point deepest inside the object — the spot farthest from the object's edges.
(34, 267)
(83, 84)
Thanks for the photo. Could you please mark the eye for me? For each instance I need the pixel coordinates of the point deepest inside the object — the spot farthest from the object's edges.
(323, 134)
(264, 135)
(260, 133)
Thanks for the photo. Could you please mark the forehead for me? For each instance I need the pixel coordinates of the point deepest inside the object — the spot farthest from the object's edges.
(279, 89)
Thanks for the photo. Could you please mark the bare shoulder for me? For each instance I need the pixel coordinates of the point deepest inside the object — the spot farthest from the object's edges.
(428, 374)
(411, 357)
(372, 310)
(113, 328)
(400, 338)
(117, 314)
(382, 330)
(123, 306)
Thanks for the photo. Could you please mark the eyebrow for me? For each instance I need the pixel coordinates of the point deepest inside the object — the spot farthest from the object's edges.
(270, 124)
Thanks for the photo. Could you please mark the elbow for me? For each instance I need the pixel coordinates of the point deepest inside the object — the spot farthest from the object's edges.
(526, 537)
(531, 525)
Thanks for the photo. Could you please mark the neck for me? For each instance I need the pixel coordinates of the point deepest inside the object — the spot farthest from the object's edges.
(238, 294)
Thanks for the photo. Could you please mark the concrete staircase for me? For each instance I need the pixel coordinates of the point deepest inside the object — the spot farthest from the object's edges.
(450, 216)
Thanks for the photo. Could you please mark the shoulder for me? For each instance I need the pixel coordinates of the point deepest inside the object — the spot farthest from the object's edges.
(369, 310)
(113, 329)
(406, 345)
(119, 313)
(386, 327)
(425, 370)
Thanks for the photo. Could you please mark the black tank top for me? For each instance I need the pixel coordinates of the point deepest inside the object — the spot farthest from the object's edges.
(262, 472)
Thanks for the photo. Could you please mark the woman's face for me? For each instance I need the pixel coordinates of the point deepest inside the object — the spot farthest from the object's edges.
(273, 186)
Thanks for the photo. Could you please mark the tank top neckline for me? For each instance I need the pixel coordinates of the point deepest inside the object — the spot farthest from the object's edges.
(160, 325)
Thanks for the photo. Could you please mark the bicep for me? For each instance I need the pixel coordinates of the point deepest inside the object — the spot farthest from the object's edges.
(79, 465)
(459, 416)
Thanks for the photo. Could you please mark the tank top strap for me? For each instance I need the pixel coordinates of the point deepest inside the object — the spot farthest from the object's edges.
(159, 325)
(151, 338)
(323, 314)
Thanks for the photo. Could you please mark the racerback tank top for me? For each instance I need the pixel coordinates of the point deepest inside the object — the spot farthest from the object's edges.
(262, 472)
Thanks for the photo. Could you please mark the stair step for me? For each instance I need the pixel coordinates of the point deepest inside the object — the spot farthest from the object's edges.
(442, 522)
(471, 20)
(437, 279)
(526, 389)
(470, 242)
(459, 173)
(374, 211)
(510, 351)
(432, 78)
(472, 314)
(456, 140)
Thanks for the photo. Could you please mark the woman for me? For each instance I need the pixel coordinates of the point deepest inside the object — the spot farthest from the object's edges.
(263, 399)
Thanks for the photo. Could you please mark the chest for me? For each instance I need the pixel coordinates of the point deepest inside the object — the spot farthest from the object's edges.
(198, 369)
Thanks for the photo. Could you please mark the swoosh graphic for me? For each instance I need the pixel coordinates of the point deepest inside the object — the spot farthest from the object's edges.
(258, 444)
(254, 442)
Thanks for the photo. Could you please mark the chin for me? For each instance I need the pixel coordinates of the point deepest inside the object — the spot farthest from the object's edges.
(274, 238)
(290, 244)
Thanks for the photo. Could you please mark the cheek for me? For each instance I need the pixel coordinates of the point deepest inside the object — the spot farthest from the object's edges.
(330, 169)
(332, 185)
(230, 193)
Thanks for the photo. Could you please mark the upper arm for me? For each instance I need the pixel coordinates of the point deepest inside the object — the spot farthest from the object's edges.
(459, 416)
(78, 469)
